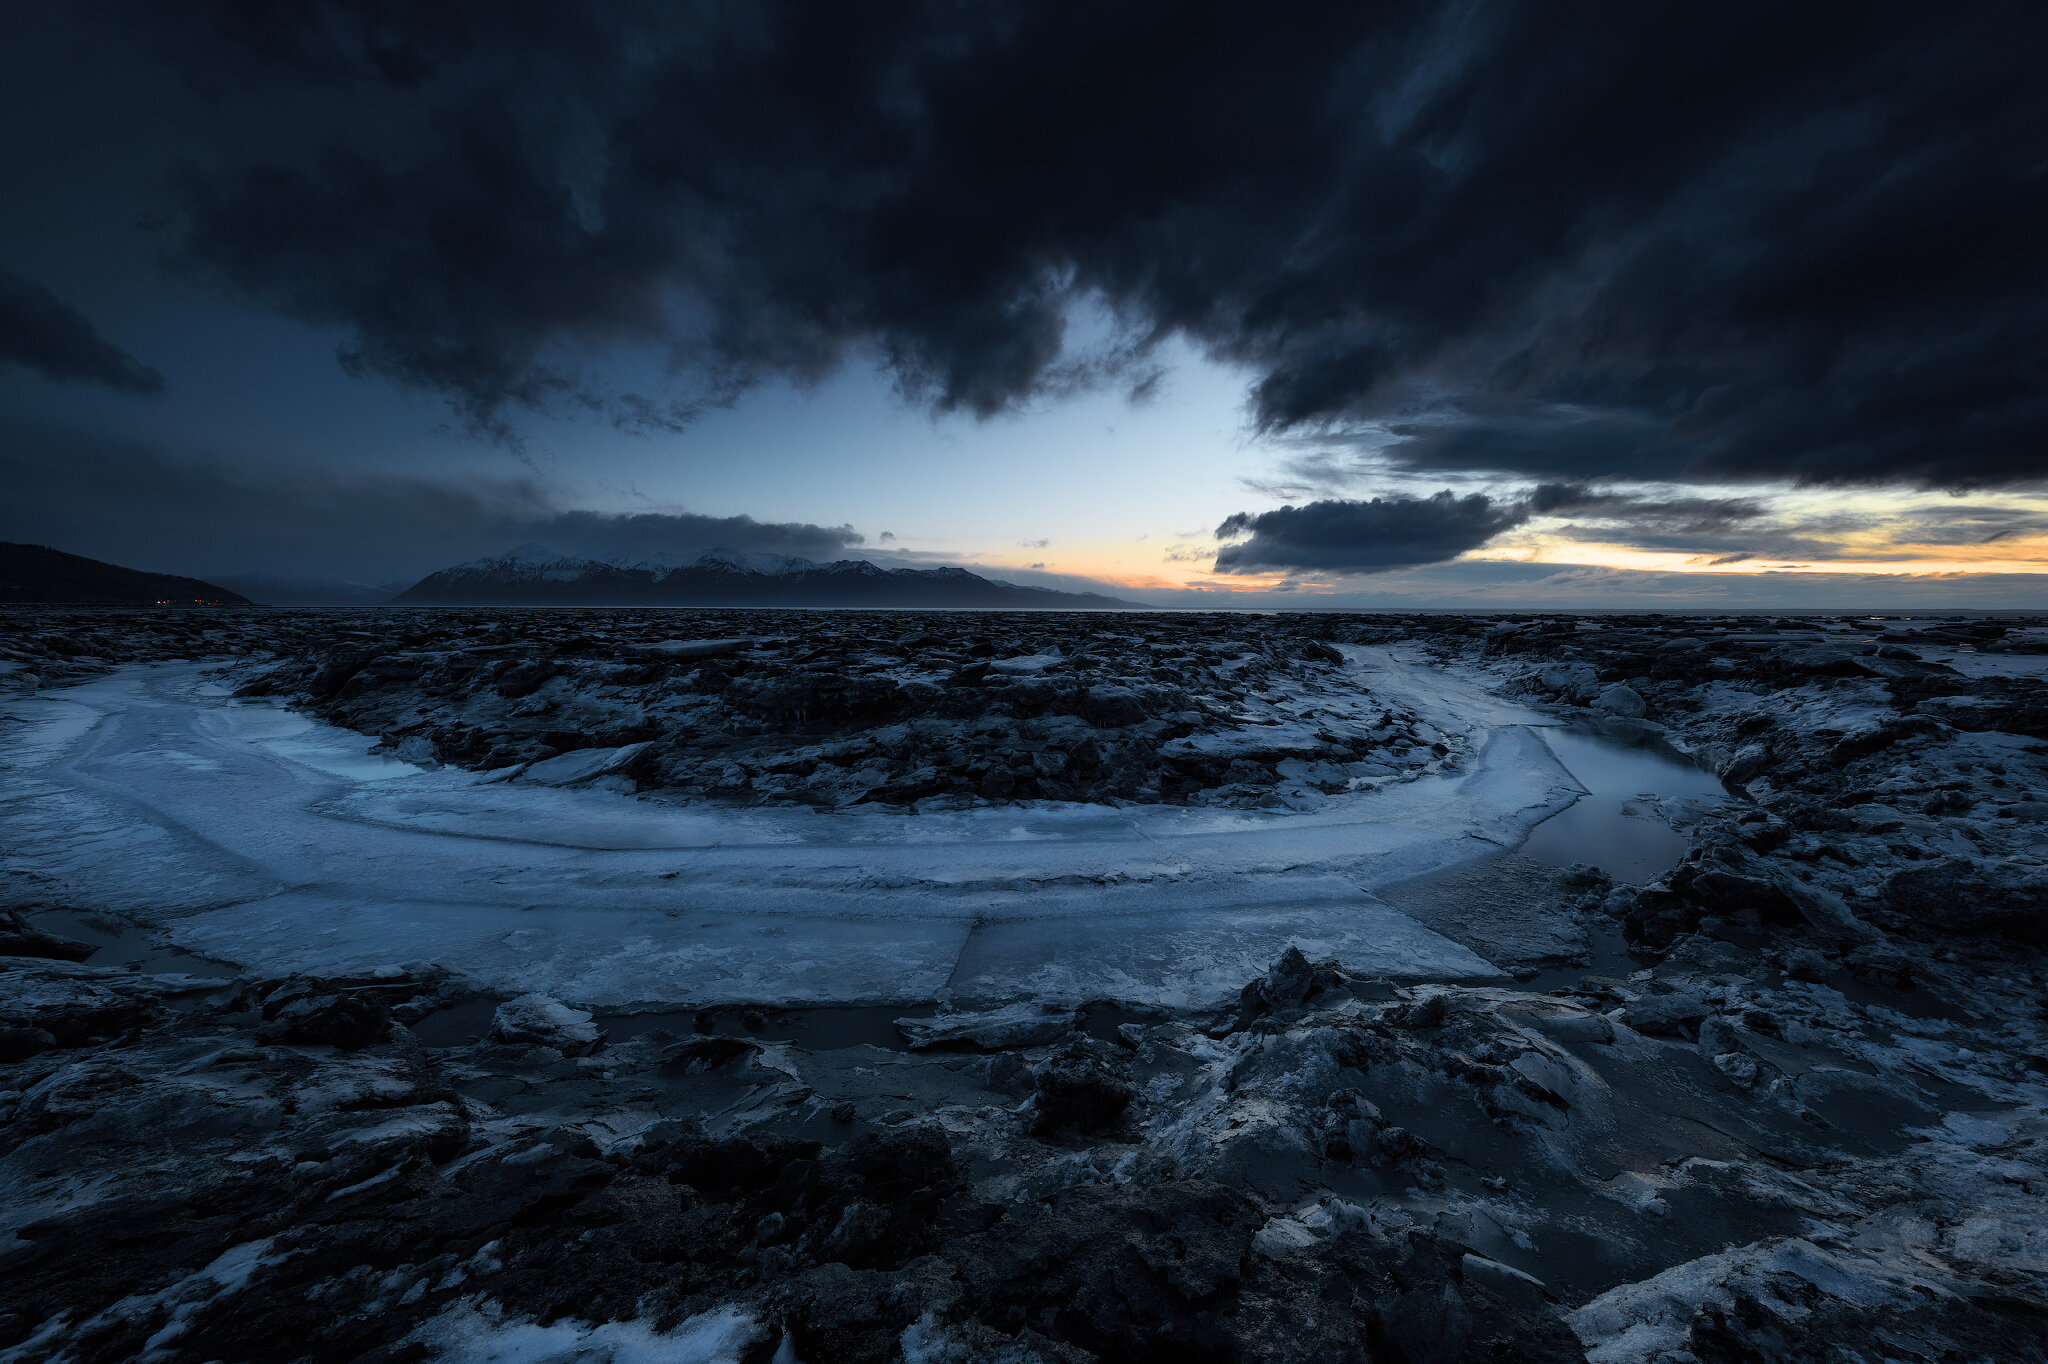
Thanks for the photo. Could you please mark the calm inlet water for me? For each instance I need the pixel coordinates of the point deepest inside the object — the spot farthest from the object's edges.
(1616, 826)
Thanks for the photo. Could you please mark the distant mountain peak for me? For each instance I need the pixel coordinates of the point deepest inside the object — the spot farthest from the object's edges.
(659, 563)
(759, 561)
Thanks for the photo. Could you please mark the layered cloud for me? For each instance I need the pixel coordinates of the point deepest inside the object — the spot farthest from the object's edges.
(1535, 238)
(1377, 535)
(1724, 529)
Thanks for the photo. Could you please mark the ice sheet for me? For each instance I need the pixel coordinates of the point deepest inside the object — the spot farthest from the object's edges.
(1972, 663)
(285, 845)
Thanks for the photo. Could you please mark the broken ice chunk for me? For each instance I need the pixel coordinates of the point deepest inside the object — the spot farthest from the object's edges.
(581, 765)
(536, 1020)
(1013, 1025)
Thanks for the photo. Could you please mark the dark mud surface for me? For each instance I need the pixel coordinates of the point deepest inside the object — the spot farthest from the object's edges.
(1783, 1096)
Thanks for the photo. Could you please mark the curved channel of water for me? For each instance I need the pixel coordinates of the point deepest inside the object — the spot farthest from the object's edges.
(155, 798)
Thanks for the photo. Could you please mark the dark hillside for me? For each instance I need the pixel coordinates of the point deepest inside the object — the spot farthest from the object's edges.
(37, 573)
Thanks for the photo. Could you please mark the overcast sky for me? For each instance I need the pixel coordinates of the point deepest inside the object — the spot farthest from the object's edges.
(1402, 304)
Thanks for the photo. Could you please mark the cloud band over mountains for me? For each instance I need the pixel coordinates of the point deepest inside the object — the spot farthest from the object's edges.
(610, 535)
(1555, 240)
(120, 500)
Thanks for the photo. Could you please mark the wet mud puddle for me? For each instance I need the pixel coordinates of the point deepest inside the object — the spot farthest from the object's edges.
(122, 944)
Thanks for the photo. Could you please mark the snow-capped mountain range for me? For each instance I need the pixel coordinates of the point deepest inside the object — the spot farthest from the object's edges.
(536, 575)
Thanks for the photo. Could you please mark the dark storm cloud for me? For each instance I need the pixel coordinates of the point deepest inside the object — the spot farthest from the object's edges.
(123, 501)
(39, 331)
(1565, 240)
(1372, 536)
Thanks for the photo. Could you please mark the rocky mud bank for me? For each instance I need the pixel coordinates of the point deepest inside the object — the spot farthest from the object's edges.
(1693, 1164)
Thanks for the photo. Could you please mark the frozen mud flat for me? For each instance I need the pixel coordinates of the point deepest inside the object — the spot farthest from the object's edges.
(1767, 1085)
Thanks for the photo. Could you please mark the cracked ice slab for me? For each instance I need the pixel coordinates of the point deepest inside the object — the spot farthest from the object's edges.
(612, 958)
(1201, 953)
